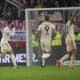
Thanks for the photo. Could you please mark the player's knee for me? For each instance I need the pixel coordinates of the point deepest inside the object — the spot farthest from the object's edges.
(11, 52)
(74, 51)
(44, 56)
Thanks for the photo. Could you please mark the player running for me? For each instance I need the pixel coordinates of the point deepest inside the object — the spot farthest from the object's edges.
(8, 31)
(45, 31)
(70, 44)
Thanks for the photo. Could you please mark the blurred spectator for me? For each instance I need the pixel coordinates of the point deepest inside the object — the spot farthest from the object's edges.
(57, 15)
(33, 3)
(59, 3)
(25, 3)
(72, 2)
(56, 3)
(21, 14)
(44, 3)
(18, 13)
(14, 12)
(2, 3)
(8, 16)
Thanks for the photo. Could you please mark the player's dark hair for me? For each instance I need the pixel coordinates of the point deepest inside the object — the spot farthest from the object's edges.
(72, 18)
(9, 22)
(46, 18)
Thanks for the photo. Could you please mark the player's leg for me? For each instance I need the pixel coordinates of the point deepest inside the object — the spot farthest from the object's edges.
(13, 58)
(46, 50)
(3, 49)
(43, 54)
(73, 58)
(12, 55)
(66, 56)
(73, 55)
(43, 57)
(59, 62)
(43, 62)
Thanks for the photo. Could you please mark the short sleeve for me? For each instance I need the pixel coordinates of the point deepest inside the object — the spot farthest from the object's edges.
(39, 28)
(68, 22)
(53, 26)
(6, 30)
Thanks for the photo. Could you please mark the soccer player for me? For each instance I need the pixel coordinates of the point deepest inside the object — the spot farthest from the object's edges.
(45, 32)
(70, 44)
(8, 31)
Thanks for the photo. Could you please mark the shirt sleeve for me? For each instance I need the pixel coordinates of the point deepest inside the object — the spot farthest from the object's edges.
(13, 32)
(6, 30)
(39, 28)
(53, 26)
(68, 22)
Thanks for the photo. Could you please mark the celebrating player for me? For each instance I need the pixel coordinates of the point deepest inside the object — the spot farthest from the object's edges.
(8, 31)
(70, 43)
(45, 31)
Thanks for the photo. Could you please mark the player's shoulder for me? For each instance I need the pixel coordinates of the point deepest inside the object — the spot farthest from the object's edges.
(68, 22)
(42, 24)
(6, 28)
(47, 23)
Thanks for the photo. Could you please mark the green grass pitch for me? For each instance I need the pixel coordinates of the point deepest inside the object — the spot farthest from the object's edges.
(39, 73)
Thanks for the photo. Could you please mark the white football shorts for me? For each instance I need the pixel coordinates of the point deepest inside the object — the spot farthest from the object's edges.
(5, 47)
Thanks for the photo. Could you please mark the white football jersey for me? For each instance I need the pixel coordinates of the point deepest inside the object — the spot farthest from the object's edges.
(46, 29)
(7, 34)
(70, 29)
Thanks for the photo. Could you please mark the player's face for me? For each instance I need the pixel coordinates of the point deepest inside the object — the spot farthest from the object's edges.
(11, 25)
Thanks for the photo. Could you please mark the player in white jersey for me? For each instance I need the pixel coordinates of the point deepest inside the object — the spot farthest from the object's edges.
(8, 31)
(70, 43)
(45, 31)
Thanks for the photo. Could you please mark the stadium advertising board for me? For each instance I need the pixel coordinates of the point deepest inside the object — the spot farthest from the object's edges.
(20, 59)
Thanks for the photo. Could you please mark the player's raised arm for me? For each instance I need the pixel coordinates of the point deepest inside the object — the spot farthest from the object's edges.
(13, 32)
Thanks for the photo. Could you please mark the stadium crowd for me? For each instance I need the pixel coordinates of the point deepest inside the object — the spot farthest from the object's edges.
(15, 8)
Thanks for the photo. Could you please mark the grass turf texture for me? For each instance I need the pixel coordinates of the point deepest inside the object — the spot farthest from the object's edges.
(39, 73)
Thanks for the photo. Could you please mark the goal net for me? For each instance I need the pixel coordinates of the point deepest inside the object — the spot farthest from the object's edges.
(59, 17)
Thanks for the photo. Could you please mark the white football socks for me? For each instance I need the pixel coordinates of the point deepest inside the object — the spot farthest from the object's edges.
(72, 60)
(43, 62)
(13, 60)
(66, 56)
